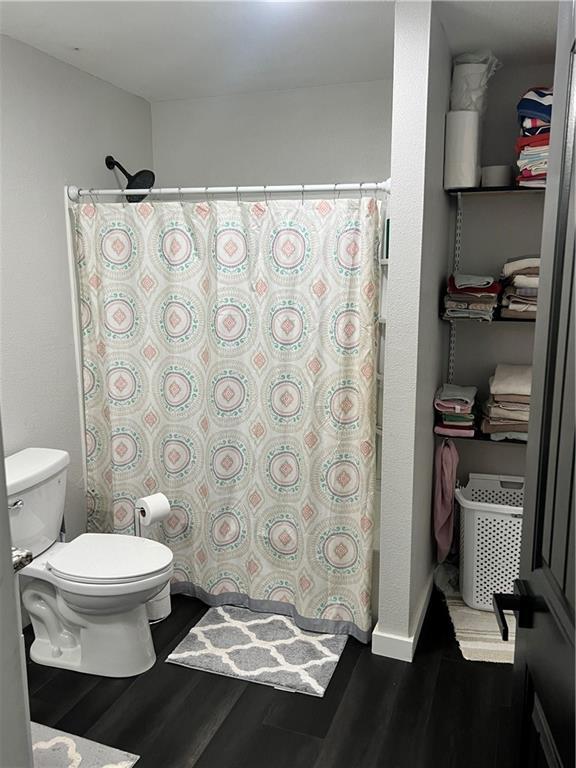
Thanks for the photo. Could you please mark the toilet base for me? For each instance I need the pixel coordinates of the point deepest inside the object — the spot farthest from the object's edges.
(117, 645)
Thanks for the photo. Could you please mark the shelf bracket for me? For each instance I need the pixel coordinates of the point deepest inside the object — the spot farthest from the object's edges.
(455, 268)
(451, 352)
(458, 234)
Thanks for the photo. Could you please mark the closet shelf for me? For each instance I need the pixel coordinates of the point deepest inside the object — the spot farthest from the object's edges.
(504, 320)
(495, 191)
(482, 438)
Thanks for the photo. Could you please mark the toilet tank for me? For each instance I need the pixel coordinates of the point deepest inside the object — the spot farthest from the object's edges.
(36, 485)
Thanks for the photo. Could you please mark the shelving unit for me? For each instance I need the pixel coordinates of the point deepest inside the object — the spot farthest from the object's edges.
(471, 323)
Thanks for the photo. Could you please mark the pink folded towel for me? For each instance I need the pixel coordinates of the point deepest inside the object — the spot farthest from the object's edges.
(451, 406)
(439, 429)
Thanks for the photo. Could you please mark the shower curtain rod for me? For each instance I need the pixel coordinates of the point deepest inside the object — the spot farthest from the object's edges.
(75, 193)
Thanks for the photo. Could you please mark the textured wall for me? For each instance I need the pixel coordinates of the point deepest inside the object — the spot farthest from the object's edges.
(415, 339)
(323, 134)
(432, 332)
(57, 123)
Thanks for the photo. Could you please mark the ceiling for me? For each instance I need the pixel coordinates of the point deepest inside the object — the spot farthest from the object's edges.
(516, 30)
(179, 50)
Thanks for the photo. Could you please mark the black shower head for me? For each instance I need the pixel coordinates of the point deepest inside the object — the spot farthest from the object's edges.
(140, 180)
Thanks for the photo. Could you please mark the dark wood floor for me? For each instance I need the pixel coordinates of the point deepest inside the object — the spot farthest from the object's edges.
(438, 712)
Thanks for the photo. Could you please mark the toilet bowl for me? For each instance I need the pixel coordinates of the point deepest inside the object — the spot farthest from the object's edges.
(87, 598)
(87, 603)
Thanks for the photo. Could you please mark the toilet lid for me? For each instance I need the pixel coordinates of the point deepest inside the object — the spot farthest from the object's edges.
(109, 557)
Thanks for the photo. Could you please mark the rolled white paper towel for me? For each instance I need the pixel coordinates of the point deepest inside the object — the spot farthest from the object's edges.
(462, 150)
(152, 509)
(469, 84)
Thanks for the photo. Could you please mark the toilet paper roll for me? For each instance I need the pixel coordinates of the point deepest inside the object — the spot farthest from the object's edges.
(496, 175)
(160, 606)
(462, 150)
(153, 509)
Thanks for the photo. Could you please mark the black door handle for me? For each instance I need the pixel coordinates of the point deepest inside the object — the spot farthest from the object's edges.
(504, 602)
(520, 601)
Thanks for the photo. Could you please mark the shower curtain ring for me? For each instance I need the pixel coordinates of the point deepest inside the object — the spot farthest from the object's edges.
(237, 196)
(302, 196)
(180, 197)
(265, 194)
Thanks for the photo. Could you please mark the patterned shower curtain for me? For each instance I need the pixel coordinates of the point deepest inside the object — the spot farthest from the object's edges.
(229, 362)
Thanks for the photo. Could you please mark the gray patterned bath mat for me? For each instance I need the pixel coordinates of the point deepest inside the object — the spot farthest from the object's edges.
(56, 749)
(261, 648)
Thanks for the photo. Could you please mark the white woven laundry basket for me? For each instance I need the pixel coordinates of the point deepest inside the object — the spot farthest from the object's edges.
(490, 534)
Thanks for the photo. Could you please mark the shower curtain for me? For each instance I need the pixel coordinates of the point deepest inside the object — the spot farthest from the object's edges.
(229, 362)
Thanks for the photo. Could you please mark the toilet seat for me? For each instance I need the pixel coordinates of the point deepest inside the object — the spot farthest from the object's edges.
(102, 559)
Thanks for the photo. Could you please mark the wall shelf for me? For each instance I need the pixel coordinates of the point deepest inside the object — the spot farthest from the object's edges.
(496, 191)
(480, 437)
(498, 320)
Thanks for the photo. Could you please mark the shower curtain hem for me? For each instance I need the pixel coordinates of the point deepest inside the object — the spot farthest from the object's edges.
(325, 626)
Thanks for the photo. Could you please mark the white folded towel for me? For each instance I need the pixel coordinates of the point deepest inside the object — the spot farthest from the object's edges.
(499, 436)
(511, 380)
(508, 407)
(526, 281)
(520, 306)
(473, 281)
(513, 265)
(501, 414)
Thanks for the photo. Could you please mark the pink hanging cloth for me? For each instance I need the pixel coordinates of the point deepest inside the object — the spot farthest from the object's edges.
(446, 464)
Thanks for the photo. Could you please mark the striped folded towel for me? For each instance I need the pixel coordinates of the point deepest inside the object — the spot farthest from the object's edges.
(537, 102)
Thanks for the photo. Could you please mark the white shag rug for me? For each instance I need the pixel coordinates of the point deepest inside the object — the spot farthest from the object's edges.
(478, 635)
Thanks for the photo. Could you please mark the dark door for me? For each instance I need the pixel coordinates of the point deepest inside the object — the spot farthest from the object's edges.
(544, 666)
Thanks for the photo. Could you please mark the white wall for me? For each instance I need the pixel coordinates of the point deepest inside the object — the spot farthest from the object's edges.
(432, 332)
(321, 134)
(415, 338)
(57, 124)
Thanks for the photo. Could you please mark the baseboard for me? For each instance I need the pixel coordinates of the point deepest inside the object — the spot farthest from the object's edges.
(402, 647)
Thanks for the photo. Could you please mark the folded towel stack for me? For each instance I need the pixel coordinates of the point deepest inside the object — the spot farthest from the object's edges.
(534, 115)
(507, 411)
(473, 297)
(454, 406)
(520, 278)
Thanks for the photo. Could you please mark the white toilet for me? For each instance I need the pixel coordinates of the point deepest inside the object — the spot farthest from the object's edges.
(86, 599)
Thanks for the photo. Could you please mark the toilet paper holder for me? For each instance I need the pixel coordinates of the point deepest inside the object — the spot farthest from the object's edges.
(150, 509)
(139, 513)
(155, 508)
